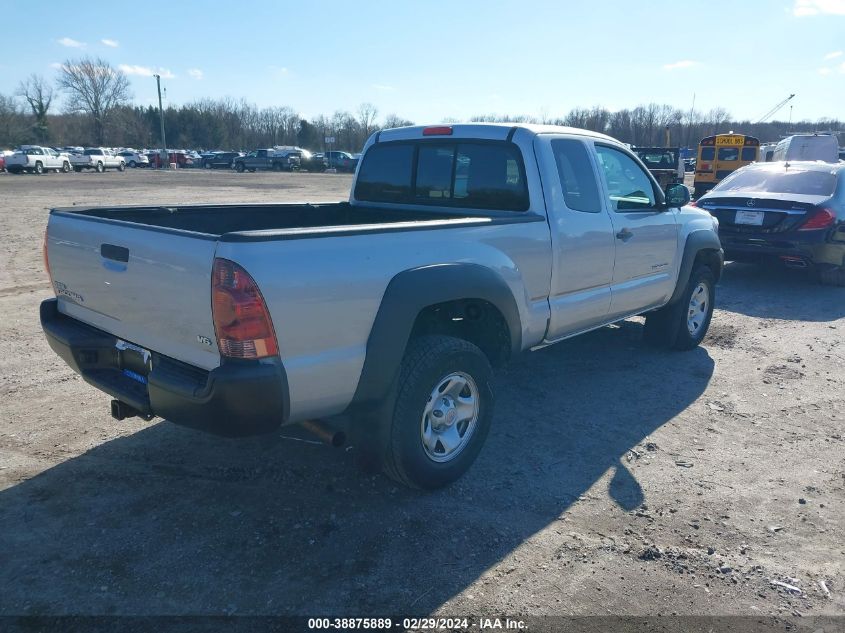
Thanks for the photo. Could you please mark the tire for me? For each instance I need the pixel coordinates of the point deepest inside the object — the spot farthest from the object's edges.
(65, 167)
(133, 164)
(239, 167)
(832, 276)
(39, 168)
(207, 165)
(100, 168)
(683, 324)
(121, 166)
(433, 362)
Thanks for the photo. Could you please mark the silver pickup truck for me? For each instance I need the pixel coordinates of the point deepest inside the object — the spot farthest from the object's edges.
(459, 247)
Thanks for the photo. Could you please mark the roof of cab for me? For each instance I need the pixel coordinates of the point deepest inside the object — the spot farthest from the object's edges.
(489, 131)
(797, 165)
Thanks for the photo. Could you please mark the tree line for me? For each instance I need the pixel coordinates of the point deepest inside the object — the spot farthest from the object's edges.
(98, 111)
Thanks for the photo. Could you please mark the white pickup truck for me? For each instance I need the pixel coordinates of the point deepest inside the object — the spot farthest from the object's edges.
(37, 160)
(97, 158)
(460, 246)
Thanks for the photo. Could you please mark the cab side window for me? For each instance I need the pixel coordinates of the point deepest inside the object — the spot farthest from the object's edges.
(628, 186)
(577, 179)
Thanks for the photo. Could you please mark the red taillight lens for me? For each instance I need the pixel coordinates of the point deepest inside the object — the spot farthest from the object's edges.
(692, 203)
(821, 219)
(439, 130)
(241, 320)
(46, 258)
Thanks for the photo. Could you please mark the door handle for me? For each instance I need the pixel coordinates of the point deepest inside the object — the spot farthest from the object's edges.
(624, 235)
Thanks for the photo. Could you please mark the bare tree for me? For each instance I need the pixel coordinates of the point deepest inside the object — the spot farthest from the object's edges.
(39, 95)
(367, 114)
(95, 88)
(12, 122)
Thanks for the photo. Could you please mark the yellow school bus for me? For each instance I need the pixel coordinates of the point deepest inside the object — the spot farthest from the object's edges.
(720, 155)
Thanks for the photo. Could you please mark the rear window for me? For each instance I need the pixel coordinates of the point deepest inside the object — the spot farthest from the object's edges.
(481, 175)
(93, 152)
(816, 183)
(385, 175)
(728, 153)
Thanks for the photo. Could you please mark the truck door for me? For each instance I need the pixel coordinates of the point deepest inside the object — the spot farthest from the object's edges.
(646, 234)
(582, 236)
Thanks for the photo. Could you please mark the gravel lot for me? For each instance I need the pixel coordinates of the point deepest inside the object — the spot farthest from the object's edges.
(616, 480)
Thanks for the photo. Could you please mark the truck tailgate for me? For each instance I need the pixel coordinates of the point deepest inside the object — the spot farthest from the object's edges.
(148, 287)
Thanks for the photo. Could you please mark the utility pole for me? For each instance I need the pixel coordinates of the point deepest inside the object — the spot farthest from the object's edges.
(163, 155)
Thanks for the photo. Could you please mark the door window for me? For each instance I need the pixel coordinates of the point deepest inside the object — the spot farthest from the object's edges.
(628, 186)
(577, 179)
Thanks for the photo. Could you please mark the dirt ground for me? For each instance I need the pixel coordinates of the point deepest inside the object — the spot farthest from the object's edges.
(617, 479)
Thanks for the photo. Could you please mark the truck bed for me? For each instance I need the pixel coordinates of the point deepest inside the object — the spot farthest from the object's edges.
(280, 220)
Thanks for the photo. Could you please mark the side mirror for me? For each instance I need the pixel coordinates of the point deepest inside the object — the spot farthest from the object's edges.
(677, 195)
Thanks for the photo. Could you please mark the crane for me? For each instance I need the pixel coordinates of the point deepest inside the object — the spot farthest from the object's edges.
(772, 112)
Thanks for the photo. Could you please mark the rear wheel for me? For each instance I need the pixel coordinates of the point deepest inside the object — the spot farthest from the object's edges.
(683, 324)
(832, 276)
(133, 164)
(65, 167)
(39, 168)
(441, 415)
(239, 167)
(121, 166)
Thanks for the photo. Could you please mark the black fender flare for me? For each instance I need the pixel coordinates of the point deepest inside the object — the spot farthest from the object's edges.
(697, 241)
(407, 294)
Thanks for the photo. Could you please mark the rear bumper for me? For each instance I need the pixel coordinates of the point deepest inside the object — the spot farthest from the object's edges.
(812, 247)
(235, 399)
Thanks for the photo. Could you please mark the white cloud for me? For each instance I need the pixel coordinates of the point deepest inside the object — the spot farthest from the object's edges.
(196, 73)
(824, 71)
(803, 8)
(383, 88)
(684, 63)
(279, 71)
(833, 55)
(111, 43)
(71, 43)
(145, 71)
(56, 65)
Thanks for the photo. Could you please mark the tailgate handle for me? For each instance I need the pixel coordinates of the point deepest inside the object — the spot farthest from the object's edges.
(117, 253)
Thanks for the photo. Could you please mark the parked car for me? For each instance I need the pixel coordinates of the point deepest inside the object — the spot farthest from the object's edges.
(448, 259)
(342, 161)
(824, 147)
(219, 160)
(37, 160)
(312, 162)
(792, 213)
(97, 158)
(177, 157)
(266, 159)
(134, 159)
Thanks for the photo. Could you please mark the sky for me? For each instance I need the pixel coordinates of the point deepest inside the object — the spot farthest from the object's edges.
(431, 60)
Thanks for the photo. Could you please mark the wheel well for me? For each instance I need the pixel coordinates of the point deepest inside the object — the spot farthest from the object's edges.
(474, 320)
(709, 257)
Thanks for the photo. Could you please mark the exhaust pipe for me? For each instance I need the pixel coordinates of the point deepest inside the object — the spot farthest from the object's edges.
(330, 436)
(793, 262)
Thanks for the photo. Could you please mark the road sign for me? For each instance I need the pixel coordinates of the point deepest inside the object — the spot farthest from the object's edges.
(330, 140)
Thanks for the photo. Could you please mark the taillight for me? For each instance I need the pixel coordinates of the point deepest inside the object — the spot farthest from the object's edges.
(46, 258)
(692, 203)
(241, 320)
(821, 219)
(438, 130)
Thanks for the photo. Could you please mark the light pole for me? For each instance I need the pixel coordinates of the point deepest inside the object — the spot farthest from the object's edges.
(163, 155)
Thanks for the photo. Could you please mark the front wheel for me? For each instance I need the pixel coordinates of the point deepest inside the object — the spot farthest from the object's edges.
(133, 164)
(239, 167)
(65, 167)
(683, 324)
(39, 168)
(442, 412)
(121, 166)
(100, 168)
